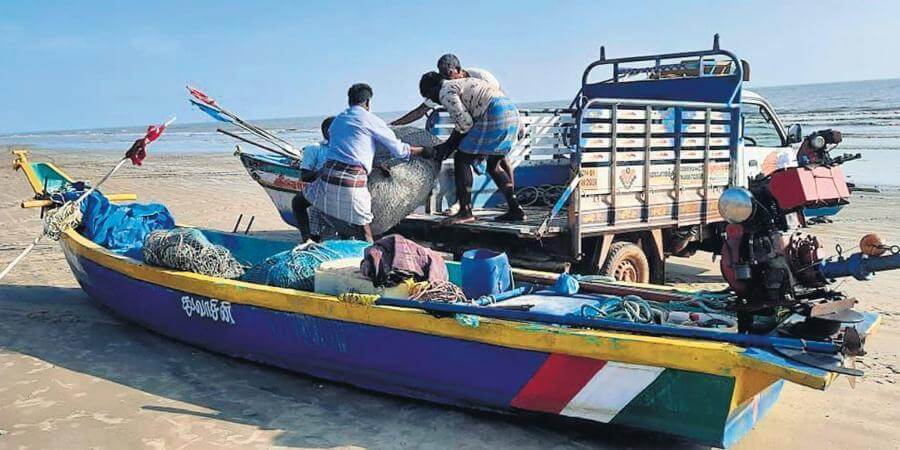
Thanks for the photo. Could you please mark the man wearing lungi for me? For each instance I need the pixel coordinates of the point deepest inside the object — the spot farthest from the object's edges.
(487, 124)
(341, 195)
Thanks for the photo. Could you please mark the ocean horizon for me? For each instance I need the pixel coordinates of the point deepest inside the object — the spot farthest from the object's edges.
(866, 112)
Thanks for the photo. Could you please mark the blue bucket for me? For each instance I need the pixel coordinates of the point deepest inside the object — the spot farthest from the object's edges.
(485, 272)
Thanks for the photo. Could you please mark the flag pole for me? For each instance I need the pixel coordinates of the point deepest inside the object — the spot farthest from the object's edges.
(218, 111)
(243, 139)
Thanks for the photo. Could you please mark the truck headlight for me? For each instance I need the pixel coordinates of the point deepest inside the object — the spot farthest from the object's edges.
(736, 205)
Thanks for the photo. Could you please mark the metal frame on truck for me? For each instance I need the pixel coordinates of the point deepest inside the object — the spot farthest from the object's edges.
(649, 149)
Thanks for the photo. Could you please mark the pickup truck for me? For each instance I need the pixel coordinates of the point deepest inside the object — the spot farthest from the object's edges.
(627, 175)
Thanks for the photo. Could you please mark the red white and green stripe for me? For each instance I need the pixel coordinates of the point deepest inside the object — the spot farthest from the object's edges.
(677, 402)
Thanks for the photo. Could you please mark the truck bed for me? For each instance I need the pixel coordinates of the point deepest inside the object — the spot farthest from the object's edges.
(530, 228)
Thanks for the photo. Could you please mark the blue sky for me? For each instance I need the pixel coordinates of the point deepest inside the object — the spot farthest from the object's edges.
(84, 64)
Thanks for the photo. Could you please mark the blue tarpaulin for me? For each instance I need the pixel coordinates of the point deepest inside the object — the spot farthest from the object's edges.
(122, 228)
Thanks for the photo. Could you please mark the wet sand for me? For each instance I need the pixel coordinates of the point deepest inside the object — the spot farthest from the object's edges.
(73, 376)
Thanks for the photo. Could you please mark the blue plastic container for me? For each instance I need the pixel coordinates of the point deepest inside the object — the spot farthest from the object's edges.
(485, 272)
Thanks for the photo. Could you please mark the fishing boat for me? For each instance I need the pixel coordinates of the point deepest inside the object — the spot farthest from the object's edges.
(703, 391)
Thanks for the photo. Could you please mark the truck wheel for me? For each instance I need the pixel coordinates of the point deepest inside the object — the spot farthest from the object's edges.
(626, 262)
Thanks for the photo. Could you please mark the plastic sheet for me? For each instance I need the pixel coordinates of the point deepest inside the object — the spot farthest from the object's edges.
(122, 228)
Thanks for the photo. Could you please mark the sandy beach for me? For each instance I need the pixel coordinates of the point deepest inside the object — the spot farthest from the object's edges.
(73, 376)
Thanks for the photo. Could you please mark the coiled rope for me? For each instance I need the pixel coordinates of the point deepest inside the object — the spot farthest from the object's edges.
(630, 307)
(543, 195)
(437, 291)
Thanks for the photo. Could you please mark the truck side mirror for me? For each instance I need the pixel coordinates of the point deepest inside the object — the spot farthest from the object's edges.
(795, 134)
(745, 69)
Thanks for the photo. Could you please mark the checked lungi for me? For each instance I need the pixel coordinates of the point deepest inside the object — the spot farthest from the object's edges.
(495, 131)
(341, 192)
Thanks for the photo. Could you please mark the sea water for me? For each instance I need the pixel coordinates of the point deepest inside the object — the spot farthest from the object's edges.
(866, 112)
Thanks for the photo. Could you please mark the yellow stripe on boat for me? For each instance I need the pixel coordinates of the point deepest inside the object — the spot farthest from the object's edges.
(716, 358)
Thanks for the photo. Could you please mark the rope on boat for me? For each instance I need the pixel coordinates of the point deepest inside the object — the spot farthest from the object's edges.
(635, 309)
(358, 298)
(437, 291)
(704, 301)
(188, 249)
(630, 307)
(58, 220)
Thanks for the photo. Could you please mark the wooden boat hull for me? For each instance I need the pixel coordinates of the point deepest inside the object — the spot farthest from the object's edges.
(707, 392)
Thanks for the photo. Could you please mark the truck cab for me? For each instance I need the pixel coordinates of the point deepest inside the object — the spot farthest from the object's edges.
(627, 175)
(766, 144)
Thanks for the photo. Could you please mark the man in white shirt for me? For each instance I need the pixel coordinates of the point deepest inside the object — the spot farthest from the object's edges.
(450, 68)
(314, 155)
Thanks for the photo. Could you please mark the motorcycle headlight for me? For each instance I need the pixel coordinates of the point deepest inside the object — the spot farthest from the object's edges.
(736, 205)
(817, 142)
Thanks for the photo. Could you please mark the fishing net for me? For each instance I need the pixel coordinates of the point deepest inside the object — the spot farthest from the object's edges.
(188, 249)
(296, 268)
(61, 219)
(396, 196)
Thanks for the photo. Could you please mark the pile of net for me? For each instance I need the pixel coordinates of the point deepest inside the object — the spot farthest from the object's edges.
(296, 268)
(188, 249)
(396, 196)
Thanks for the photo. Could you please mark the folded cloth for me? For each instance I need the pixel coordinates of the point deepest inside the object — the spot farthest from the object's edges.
(393, 259)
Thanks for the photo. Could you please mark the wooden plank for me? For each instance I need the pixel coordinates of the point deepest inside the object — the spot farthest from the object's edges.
(596, 287)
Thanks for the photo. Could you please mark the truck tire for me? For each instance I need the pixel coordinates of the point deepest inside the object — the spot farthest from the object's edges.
(626, 262)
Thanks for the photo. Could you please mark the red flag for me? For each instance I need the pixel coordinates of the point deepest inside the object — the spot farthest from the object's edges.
(138, 150)
(200, 95)
(153, 132)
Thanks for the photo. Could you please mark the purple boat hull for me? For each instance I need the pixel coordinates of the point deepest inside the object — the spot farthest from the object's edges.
(388, 350)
